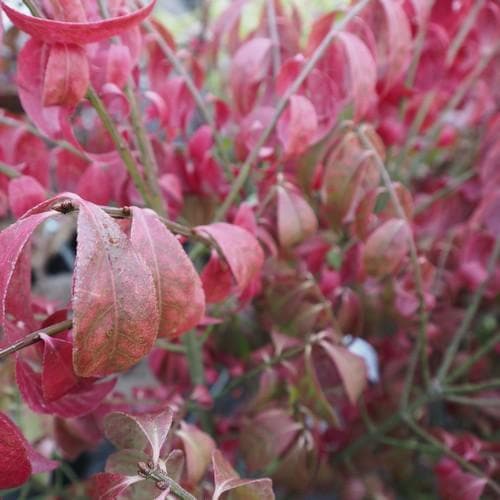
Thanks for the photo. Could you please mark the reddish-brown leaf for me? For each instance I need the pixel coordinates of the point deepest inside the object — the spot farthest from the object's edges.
(386, 247)
(116, 314)
(179, 292)
(109, 486)
(296, 219)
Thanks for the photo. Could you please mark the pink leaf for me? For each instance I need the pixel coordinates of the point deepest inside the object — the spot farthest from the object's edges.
(198, 448)
(25, 192)
(52, 31)
(296, 219)
(179, 292)
(386, 247)
(96, 184)
(241, 250)
(362, 73)
(249, 67)
(12, 242)
(82, 399)
(32, 61)
(227, 479)
(66, 76)
(146, 432)
(18, 459)
(114, 300)
(298, 126)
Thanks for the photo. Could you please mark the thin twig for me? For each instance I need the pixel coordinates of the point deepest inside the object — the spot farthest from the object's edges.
(468, 401)
(470, 313)
(245, 169)
(8, 171)
(34, 337)
(472, 359)
(121, 146)
(419, 351)
(148, 157)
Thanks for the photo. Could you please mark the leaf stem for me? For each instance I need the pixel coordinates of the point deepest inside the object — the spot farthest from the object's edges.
(245, 169)
(34, 337)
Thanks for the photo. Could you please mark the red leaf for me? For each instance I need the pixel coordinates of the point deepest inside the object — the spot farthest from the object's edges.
(179, 292)
(146, 432)
(52, 31)
(386, 247)
(298, 126)
(114, 301)
(12, 242)
(296, 219)
(198, 448)
(25, 192)
(227, 479)
(66, 76)
(58, 377)
(454, 484)
(83, 398)
(96, 184)
(241, 250)
(249, 67)
(108, 486)
(216, 279)
(18, 459)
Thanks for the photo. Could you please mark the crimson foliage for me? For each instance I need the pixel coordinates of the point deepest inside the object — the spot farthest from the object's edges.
(293, 231)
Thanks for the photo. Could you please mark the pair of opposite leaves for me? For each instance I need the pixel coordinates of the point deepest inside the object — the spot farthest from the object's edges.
(126, 290)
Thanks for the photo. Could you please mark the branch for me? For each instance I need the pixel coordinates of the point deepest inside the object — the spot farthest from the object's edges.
(420, 347)
(281, 105)
(34, 337)
(163, 480)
